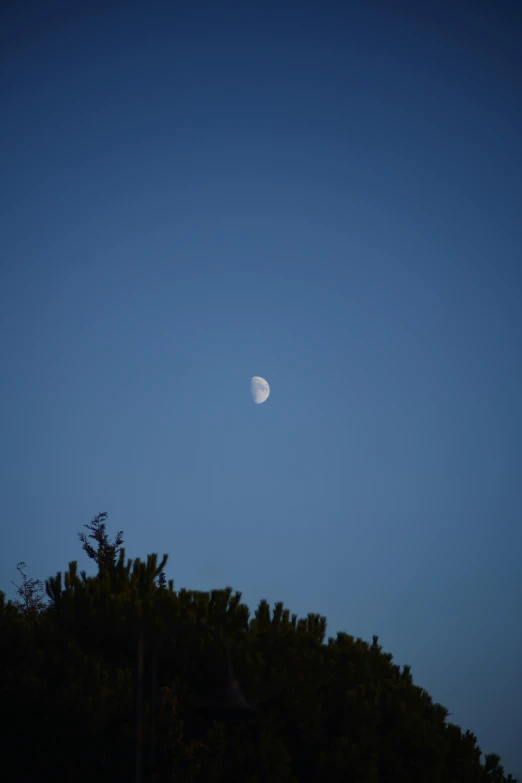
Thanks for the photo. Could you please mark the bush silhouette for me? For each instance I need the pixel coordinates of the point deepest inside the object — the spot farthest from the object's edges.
(335, 709)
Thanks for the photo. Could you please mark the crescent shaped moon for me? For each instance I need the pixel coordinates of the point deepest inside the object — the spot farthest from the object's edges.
(260, 389)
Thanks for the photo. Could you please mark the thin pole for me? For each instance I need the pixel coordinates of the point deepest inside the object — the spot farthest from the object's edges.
(153, 696)
(139, 706)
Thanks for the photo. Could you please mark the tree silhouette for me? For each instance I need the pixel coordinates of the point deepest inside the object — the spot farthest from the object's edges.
(105, 553)
(30, 593)
(329, 709)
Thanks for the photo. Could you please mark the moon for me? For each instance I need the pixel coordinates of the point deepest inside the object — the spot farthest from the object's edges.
(260, 389)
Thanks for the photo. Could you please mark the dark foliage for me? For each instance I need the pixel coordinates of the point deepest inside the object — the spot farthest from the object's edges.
(105, 553)
(329, 710)
(31, 593)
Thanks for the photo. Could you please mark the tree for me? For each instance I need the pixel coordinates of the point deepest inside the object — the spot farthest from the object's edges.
(331, 709)
(106, 552)
(31, 593)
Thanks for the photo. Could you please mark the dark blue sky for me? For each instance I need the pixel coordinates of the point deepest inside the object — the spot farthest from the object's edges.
(328, 195)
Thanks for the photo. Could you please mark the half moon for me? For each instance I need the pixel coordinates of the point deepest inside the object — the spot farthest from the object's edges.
(260, 389)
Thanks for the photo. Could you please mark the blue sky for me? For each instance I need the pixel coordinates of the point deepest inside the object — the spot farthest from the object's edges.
(327, 195)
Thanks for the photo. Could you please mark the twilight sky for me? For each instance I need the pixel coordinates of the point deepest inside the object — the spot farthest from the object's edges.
(328, 195)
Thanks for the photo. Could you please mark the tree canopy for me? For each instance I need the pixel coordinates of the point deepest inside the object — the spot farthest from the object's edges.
(329, 709)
